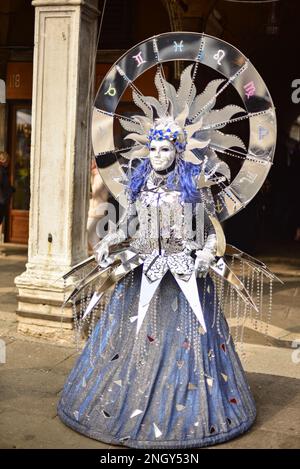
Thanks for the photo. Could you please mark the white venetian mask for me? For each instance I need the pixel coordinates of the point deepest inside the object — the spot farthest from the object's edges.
(162, 154)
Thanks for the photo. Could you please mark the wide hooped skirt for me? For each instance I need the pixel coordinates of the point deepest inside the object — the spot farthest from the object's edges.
(170, 386)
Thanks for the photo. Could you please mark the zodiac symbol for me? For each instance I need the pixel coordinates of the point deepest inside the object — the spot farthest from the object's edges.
(250, 89)
(219, 56)
(219, 207)
(111, 90)
(249, 177)
(262, 132)
(139, 59)
(178, 46)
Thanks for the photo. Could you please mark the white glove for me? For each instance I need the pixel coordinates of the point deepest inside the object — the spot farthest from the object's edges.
(102, 255)
(206, 256)
(102, 249)
(204, 259)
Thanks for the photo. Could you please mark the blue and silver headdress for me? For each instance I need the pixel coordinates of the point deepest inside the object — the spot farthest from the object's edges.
(184, 118)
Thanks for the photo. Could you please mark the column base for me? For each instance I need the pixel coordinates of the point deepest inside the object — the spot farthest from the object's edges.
(40, 313)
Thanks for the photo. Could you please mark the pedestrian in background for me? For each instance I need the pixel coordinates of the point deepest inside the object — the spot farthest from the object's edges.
(97, 204)
(6, 189)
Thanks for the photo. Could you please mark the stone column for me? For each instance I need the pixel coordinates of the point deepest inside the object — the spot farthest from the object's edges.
(64, 52)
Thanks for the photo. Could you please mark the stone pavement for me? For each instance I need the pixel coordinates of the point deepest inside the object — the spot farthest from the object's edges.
(35, 371)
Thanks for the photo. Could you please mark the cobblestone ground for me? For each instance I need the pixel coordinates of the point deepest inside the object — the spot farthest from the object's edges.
(34, 373)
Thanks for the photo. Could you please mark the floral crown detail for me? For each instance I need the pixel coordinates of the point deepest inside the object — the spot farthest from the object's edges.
(164, 131)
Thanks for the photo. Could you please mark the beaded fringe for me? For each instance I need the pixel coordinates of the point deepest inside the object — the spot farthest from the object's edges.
(225, 301)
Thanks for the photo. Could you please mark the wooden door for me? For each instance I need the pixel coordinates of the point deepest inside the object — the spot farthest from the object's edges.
(20, 139)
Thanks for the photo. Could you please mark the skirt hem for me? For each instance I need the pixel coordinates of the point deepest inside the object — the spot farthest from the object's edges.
(196, 443)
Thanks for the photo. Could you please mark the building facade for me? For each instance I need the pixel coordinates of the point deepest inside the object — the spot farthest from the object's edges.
(52, 59)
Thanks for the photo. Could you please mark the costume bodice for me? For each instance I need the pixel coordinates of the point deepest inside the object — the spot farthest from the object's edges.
(166, 223)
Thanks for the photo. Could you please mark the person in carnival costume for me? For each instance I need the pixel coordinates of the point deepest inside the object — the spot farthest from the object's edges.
(160, 369)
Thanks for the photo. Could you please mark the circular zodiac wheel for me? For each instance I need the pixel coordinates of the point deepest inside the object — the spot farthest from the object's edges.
(255, 159)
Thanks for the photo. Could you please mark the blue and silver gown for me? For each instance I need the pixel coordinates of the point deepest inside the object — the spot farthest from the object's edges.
(172, 385)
